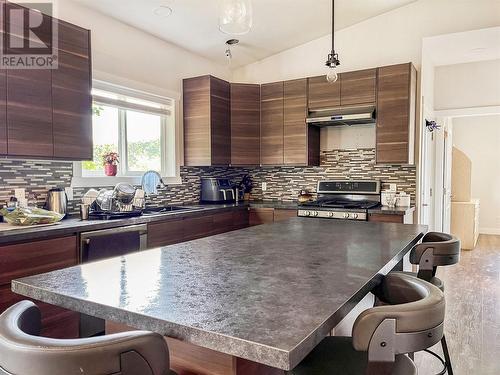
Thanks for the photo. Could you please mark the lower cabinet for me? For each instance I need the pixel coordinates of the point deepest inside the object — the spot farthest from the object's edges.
(174, 231)
(260, 216)
(27, 259)
(388, 218)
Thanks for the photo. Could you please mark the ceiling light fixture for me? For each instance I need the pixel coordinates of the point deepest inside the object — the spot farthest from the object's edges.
(163, 11)
(229, 43)
(235, 17)
(333, 58)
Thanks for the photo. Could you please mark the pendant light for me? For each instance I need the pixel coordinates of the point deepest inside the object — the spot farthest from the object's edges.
(333, 58)
(235, 17)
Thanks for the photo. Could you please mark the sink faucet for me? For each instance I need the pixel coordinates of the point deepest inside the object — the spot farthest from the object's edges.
(150, 182)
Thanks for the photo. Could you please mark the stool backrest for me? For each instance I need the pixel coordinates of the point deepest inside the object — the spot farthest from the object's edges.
(23, 352)
(437, 249)
(411, 321)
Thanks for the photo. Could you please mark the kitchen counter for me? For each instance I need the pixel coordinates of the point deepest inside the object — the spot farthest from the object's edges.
(268, 294)
(73, 225)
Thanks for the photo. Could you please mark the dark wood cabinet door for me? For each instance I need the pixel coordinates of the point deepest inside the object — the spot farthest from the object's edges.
(245, 124)
(240, 219)
(322, 94)
(27, 259)
(207, 121)
(282, 214)
(220, 121)
(258, 216)
(165, 233)
(3, 110)
(72, 108)
(196, 104)
(29, 113)
(358, 88)
(295, 127)
(198, 227)
(395, 113)
(271, 124)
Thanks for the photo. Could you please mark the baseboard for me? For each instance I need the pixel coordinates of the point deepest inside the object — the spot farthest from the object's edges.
(493, 231)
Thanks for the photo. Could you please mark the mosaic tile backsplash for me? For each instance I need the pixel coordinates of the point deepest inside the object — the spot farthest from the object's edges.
(283, 183)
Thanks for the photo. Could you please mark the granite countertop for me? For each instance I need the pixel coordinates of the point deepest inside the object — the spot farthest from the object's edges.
(268, 294)
(73, 225)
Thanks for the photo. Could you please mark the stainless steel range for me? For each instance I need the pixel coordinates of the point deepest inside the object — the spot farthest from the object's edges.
(346, 200)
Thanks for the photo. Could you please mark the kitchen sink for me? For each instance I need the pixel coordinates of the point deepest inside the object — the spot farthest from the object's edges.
(163, 210)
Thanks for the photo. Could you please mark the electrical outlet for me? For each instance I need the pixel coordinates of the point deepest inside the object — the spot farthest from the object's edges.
(20, 193)
(264, 186)
(69, 193)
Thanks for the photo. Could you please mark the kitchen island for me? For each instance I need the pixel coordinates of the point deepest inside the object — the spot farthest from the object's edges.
(266, 294)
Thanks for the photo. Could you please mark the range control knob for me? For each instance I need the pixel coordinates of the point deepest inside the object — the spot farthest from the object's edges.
(330, 214)
(347, 216)
(307, 213)
(315, 213)
(355, 216)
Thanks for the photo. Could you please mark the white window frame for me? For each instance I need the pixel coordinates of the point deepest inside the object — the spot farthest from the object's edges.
(170, 142)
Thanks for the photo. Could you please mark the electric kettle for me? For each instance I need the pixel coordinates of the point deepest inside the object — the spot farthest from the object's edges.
(57, 201)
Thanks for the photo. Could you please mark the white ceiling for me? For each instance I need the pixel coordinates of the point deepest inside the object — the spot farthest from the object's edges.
(278, 24)
(464, 47)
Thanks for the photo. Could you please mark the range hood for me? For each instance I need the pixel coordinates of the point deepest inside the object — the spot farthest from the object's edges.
(344, 116)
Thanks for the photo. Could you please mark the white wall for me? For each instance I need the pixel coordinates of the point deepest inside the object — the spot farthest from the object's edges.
(128, 56)
(393, 37)
(467, 85)
(479, 138)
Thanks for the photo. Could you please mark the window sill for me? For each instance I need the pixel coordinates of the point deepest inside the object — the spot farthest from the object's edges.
(112, 181)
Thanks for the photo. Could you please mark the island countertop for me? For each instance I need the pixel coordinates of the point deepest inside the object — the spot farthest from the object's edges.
(268, 294)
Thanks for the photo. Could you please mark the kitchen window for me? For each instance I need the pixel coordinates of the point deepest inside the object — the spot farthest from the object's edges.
(140, 127)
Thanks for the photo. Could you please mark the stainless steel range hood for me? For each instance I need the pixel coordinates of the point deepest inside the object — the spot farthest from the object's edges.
(344, 116)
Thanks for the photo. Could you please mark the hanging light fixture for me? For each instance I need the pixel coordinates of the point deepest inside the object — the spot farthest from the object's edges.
(235, 16)
(333, 58)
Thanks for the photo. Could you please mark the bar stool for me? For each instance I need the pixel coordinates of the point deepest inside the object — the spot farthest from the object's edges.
(23, 352)
(411, 319)
(437, 249)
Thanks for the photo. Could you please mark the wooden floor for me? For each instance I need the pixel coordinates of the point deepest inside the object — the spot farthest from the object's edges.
(472, 327)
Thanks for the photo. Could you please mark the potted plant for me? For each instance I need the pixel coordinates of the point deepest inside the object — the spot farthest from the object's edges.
(110, 162)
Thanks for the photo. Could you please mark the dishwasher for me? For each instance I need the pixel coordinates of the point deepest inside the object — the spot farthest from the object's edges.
(108, 243)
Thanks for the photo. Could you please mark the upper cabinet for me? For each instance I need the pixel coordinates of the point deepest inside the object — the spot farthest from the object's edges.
(207, 121)
(322, 94)
(351, 89)
(396, 100)
(245, 124)
(71, 84)
(271, 123)
(251, 124)
(301, 143)
(46, 113)
(358, 87)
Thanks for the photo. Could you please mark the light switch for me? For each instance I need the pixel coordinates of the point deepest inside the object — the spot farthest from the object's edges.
(264, 186)
(69, 193)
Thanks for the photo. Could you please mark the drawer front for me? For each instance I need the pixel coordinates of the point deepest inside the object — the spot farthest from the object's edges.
(280, 215)
(198, 227)
(36, 257)
(261, 216)
(223, 222)
(165, 233)
(384, 218)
